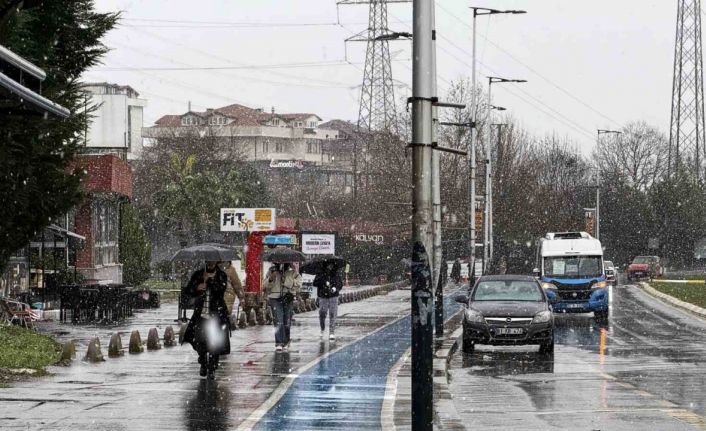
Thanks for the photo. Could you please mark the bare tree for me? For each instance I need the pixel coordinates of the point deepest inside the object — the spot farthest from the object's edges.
(639, 154)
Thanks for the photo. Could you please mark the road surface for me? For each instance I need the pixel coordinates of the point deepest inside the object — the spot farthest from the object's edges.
(645, 370)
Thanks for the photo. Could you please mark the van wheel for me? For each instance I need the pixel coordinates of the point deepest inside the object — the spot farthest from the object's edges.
(601, 316)
(468, 346)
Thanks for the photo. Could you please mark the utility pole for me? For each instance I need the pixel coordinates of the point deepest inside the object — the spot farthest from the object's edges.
(422, 244)
(488, 225)
(438, 258)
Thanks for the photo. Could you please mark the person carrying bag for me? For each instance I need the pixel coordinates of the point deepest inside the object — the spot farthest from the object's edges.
(281, 286)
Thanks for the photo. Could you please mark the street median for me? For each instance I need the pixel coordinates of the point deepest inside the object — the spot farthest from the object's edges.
(686, 296)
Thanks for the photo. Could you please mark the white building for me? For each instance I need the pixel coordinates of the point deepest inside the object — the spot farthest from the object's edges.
(282, 140)
(116, 126)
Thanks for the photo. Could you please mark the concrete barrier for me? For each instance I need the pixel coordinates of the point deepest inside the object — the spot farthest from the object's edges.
(168, 337)
(136, 343)
(94, 354)
(242, 320)
(182, 331)
(153, 340)
(68, 351)
(252, 317)
(115, 347)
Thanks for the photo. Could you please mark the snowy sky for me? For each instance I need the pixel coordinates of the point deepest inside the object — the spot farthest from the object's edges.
(589, 65)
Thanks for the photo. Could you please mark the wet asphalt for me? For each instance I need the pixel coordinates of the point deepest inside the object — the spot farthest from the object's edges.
(161, 390)
(644, 370)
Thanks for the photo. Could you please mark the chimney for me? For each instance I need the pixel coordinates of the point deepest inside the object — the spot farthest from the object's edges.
(273, 110)
(189, 106)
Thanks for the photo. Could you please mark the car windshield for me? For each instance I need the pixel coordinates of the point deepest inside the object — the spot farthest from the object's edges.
(608, 264)
(510, 290)
(643, 260)
(573, 266)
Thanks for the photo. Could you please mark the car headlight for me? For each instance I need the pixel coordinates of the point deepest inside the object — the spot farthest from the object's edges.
(547, 285)
(599, 285)
(474, 316)
(542, 317)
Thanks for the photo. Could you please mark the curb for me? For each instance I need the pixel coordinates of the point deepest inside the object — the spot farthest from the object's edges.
(695, 309)
(446, 416)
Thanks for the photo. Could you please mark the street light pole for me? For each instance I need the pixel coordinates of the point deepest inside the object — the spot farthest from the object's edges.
(436, 195)
(422, 295)
(598, 184)
(472, 168)
(488, 225)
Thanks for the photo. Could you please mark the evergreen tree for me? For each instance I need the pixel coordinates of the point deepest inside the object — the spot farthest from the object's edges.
(63, 37)
(135, 248)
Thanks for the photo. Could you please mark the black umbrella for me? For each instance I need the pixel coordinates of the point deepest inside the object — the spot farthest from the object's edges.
(282, 255)
(206, 252)
(318, 264)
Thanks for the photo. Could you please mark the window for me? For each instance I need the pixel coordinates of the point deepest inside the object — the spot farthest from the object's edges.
(265, 147)
(105, 232)
(507, 291)
(312, 124)
(275, 122)
(299, 124)
(573, 266)
(279, 147)
(313, 147)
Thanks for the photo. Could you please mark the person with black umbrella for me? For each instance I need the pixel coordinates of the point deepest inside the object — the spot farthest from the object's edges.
(281, 286)
(208, 329)
(328, 285)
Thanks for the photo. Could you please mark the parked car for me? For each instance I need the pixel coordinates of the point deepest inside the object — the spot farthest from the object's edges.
(611, 273)
(506, 310)
(644, 267)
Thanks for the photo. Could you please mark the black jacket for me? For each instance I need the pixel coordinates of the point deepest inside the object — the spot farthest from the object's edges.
(216, 287)
(328, 285)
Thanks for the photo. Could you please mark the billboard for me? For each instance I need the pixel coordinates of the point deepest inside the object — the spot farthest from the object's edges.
(247, 219)
(318, 243)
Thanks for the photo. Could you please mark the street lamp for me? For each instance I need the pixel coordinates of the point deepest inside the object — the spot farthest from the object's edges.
(598, 188)
(477, 11)
(488, 222)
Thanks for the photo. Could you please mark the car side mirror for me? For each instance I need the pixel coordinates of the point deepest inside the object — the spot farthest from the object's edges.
(461, 299)
(535, 272)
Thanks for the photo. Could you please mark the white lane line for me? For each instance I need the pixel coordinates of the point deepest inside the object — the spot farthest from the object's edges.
(278, 393)
(387, 412)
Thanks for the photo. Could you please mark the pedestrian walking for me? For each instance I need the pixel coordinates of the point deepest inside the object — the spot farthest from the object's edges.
(209, 327)
(456, 271)
(281, 286)
(328, 286)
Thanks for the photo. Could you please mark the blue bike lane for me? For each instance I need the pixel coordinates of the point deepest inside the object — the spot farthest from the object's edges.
(345, 390)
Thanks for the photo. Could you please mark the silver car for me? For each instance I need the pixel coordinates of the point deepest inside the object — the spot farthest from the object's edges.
(610, 271)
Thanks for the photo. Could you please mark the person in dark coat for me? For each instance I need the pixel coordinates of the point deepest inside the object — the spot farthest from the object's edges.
(456, 271)
(328, 285)
(208, 330)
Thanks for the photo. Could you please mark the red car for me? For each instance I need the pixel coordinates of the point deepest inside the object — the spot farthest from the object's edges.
(644, 267)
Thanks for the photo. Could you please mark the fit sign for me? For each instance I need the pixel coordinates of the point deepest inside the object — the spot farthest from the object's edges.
(247, 219)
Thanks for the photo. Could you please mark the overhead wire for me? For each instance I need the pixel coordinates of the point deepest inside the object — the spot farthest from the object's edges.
(530, 68)
(556, 116)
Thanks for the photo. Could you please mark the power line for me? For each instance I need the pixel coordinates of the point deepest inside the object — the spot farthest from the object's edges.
(531, 69)
(245, 67)
(561, 118)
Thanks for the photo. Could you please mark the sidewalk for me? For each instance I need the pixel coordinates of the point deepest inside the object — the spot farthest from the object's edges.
(162, 390)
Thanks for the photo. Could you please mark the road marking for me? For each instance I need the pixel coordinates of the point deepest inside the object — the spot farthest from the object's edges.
(387, 412)
(278, 393)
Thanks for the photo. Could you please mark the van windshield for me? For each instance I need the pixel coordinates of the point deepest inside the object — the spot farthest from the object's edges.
(573, 266)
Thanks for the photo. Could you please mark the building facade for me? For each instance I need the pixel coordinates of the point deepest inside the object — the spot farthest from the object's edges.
(118, 115)
(280, 140)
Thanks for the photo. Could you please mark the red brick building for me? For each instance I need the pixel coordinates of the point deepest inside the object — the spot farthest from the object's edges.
(108, 181)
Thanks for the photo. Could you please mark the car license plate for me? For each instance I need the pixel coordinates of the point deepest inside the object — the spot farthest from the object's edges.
(509, 331)
(575, 306)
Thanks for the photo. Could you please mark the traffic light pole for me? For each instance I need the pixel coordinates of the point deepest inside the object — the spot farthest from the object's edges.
(422, 244)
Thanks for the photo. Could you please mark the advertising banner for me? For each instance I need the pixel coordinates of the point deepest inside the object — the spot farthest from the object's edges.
(318, 243)
(247, 219)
